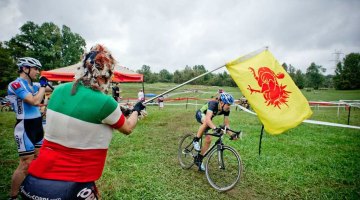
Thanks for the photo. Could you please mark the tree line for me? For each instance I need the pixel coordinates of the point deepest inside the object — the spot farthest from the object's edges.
(58, 47)
(345, 77)
(181, 76)
(54, 47)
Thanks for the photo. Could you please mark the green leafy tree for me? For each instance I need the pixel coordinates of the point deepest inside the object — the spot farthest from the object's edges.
(221, 79)
(296, 75)
(41, 42)
(48, 48)
(216, 80)
(329, 81)
(155, 77)
(165, 76)
(299, 79)
(284, 65)
(24, 44)
(188, 73)
(178, 77)
(8, 69)
(149, 77)
(346, 74)
(73, 46)
(291, 71)
(314, 76)
(228, 81)
(47, 43)
(197, 71)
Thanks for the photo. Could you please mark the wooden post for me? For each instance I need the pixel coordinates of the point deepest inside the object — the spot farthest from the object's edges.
(187, 101)
(349, 115)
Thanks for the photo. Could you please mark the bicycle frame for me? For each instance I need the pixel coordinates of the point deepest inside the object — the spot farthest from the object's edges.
(218, 144)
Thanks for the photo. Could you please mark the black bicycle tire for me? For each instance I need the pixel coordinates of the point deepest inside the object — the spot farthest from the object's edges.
(188, 137)
(239, 170)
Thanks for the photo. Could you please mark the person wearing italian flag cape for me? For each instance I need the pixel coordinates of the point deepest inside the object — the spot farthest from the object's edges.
(81, 118)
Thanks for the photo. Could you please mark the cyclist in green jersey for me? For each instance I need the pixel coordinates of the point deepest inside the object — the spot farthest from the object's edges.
(204, 116)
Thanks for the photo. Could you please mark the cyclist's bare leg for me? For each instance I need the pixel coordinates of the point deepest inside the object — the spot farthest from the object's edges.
(201, 130)
(20, 173)
(206, 146)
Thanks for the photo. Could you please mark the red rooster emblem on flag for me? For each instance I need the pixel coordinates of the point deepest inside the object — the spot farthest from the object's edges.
(273, 92)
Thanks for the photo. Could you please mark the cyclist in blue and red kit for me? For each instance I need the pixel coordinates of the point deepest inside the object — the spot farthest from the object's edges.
(25, 97)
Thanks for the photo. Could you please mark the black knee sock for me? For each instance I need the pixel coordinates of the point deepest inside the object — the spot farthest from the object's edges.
(196, 139)
(200, 157)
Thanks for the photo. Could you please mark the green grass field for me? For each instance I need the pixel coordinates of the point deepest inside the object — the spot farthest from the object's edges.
(307, 162)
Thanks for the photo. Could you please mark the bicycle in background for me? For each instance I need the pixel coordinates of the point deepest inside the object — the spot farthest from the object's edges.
(5, 105)
(223, 166)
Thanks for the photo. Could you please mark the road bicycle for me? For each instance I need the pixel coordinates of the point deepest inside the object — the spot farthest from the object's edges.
(223, 166)
(6, 107)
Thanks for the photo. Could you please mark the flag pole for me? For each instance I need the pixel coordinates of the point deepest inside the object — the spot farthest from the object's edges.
(261, 135)
(241, 59)
(182, 84)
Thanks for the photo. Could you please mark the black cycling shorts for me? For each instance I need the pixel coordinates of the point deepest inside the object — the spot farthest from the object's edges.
(199, 116)
(29, 134)
(37, 188)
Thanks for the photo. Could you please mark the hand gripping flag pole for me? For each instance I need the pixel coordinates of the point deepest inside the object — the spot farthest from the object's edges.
(241, 59)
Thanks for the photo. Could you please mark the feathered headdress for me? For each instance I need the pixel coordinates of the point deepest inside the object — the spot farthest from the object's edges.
(96, 70)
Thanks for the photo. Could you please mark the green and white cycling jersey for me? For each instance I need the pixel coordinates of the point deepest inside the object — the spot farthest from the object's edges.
(211, 106)
(214, 107)
(77, 134)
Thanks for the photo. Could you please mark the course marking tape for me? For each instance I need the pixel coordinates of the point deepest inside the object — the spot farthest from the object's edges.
(310, 121)
(253, 113)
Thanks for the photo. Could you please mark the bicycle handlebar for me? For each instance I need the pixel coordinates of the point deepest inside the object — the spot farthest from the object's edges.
(221, 130)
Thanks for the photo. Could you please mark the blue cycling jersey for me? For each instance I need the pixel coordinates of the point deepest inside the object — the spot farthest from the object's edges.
(17, 91)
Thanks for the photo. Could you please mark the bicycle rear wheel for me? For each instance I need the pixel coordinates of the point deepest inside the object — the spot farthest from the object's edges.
(186, 152)
(223, 168)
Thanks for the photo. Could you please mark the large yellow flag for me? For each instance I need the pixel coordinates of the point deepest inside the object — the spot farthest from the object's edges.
(271, 92)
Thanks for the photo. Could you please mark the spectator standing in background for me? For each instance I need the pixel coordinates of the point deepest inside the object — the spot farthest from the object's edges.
(141, 96)
(116, 92)
(161, 101)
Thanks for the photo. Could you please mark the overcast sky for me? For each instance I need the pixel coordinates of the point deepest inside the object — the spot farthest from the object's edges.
(174, 33)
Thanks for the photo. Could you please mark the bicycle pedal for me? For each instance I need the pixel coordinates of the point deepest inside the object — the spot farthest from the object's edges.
(185, 151)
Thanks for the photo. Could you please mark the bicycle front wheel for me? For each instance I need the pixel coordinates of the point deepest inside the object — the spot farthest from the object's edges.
(186, 152)
(223, 168)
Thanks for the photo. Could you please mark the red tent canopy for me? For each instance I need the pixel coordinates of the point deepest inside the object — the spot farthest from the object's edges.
(121, 74)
